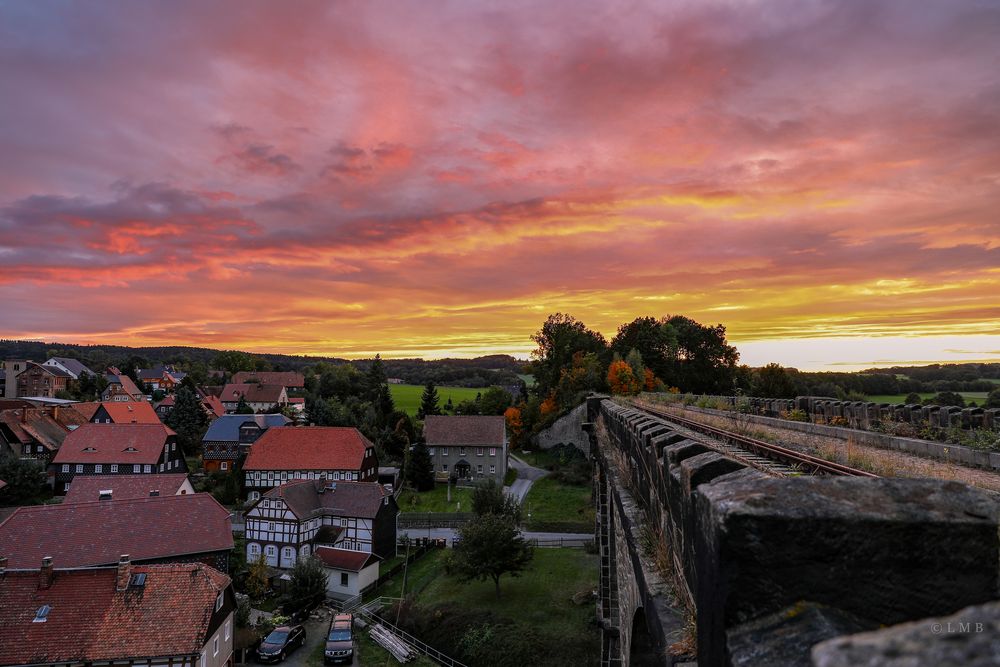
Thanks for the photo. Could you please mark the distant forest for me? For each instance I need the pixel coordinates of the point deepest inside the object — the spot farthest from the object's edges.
(479, 372)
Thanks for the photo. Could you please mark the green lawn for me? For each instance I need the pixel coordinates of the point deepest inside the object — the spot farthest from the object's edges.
(529, 380)
(436, 500)
(370, 654)
(420, 573)
(978, 396)
(550, 501)
(540, 601)
(538, 458)
(407, 396)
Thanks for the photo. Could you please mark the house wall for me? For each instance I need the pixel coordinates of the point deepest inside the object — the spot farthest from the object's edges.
(356, 581)
(213, 655)
(171, 460)
(260, 481)
(445, 457)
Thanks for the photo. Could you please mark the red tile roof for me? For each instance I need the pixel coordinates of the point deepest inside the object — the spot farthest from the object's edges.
(213, 405)
(89, 620)
(97, 532)
(308, 448)
(85, 488)
(87, 409)
(114, 443)
(355, 499)
(343, 559)
(130, 412)
(254, 393)
(283, 378)
(464, 430)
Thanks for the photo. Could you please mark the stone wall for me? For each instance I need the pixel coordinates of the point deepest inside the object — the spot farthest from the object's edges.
(567, 430)
(775, 565)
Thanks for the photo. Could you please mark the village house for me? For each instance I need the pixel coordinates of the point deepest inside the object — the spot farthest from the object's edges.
(290, 521)
(211, 403)
(28, 378)
(164, 377)
(467, 447)
(36, 433)
(179, 615)
(74, 367)
(129, 412)
(286, 453)
(156, 529)
(228, 439)
(116, 449)
(287, 379)
(121, 387)
(87, 488)
(348, 573)
(258, 397)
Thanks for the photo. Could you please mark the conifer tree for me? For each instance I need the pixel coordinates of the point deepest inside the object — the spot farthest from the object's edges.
(188, 419)
(428, 402)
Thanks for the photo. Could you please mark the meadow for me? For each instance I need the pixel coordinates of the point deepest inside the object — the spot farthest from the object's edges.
(978, 396)
(407, 396)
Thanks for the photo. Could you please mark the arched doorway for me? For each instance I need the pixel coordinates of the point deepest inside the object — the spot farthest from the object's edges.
(271, 555)
(287, 557)
(462, 469)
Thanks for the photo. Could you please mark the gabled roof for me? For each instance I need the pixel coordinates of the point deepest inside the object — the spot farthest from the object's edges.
(33, 425)
(254, 393)
(130, 412)
(343, 559)
(308, 448)
(85, 534)
(86, 488)
(87, 408)
(74, 366)
(227, 427)
(55, 371)
(114, 443)
(213, 405)
(305, 497)
(126, 382)
(89, 620)
(464, 430)
(283, 378)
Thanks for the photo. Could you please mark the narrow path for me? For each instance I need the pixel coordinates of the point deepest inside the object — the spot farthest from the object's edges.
(526, 476)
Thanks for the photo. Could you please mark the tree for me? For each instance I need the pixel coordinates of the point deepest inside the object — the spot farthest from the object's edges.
(188, 419)
(622, 379)
(494, 401)
(515, 426)
(705, 363)
(948, 398)
(634, 360)
(772, 381)
(560, 337)
(449, 406)
(25, 481)
(489, 498)
(489, 548)
(993, 399)
(428, 402)
(308, 581)
(420, 471)
(913, 398)
(655, 340)
(257, 578)
(242, 407)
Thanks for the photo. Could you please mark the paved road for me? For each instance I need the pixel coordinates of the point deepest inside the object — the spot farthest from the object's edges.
(526, 476)
(449, 535)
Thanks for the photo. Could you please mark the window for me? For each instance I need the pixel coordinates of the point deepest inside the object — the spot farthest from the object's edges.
(147, 468)
(343, 522)
(27, 449)
(343, 578)
(227, 630)
(430, 450)
(480, 469)
(461, 451)
(479, 451)
(65, 467)
(224, 465)
(354, 476)
(493, 470)
(444, 451)
(114, 467)
(215, 646)
(493, 451)
(218, 602)
(161, 467)
(79, 467)
(98, 468)
(444, 467)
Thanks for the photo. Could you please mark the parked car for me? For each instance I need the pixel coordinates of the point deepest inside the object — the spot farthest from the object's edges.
(340, 640)
(282, 641)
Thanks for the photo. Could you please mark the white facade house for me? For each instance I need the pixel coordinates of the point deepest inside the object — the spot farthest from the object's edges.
(349, 573)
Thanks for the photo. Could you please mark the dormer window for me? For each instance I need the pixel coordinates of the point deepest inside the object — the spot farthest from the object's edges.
(89, 449)
(42, 614)
(218, 602)
(131, 449)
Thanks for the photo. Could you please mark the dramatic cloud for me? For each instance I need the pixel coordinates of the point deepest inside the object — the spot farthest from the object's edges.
(434, 179)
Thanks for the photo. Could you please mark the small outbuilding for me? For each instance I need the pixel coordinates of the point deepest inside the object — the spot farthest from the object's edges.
(350, 572)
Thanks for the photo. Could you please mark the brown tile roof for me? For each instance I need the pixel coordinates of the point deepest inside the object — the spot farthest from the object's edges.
(213, 405)
(127, 384)
(343, 559)
(89, 620)
(114, 443)
(87, 488)
(130, 412)
(283, 378)
(254, 393)
(305, 497)
(464, 430)
(97, 532)
(308, 448)
(34, 425)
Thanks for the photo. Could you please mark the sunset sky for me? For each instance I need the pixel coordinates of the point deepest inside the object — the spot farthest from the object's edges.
(433, 179)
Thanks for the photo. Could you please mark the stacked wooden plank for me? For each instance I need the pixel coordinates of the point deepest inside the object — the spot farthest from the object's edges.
(391, 643)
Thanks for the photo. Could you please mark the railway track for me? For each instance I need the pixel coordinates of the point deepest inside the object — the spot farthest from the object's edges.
(758, 453)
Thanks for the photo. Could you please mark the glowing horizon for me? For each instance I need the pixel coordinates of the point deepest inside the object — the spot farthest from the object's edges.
(435, 179)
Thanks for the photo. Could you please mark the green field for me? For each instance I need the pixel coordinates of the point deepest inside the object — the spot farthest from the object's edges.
(529, 380)
(407, 396)
(550, 501)
(978, 396)
(436, 500)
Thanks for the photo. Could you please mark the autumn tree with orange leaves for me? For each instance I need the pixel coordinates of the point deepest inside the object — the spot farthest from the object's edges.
(621, 378)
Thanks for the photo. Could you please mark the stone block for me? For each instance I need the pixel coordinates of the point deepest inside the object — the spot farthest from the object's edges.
(969, 638)
(886, 550)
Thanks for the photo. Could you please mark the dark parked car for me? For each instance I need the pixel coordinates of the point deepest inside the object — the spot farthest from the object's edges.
(282, 641)
(339, 640)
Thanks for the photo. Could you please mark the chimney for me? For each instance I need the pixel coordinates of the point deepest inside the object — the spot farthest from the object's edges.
(24, 415)
(124, 573)
(45, 574)
(55, 413)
